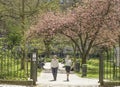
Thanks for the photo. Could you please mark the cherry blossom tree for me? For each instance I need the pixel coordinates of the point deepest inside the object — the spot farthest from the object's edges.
(95, 23)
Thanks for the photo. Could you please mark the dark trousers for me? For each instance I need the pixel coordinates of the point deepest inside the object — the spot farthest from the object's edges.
(54, 72)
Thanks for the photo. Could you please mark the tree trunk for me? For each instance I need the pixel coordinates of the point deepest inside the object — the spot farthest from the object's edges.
(47, 47)
(48, 50)
(84, 60)
(23, 30)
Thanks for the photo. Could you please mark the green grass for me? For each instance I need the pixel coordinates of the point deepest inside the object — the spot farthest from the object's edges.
(92, 69)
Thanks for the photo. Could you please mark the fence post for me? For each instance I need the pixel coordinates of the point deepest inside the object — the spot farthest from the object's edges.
(101, 67)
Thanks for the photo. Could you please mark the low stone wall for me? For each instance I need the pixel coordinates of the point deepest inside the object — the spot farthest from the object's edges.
(25, 83)
(112, 84)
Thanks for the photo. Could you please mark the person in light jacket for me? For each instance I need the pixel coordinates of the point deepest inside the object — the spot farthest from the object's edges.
(54, 67)
(68, 64)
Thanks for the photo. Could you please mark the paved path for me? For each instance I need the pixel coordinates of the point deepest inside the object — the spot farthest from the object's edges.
(44, 80)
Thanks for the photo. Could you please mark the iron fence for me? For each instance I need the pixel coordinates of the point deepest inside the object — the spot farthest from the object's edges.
(110, 68)
(11, 61)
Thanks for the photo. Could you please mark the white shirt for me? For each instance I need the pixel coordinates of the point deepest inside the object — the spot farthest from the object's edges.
(54, 63)
(68, 62)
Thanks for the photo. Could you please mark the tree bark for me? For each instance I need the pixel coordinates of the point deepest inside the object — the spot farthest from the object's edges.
(84, 66)
(24, 41)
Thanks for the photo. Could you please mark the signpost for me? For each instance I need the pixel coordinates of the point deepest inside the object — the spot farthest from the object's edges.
(34, 57)
(34, 66)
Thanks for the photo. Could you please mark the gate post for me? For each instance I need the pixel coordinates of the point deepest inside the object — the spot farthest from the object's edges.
(34, 66)
(101, 67)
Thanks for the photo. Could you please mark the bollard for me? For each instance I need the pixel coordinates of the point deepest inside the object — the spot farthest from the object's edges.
(77, 67)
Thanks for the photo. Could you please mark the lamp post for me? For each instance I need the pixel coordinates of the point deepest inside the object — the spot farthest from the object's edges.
(34, 66)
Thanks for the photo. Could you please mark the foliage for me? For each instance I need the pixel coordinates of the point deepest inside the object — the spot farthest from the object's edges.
(60, 43)
(52, 5)
(18, 15)
(94, 62)
(14, 38)
(89, 25)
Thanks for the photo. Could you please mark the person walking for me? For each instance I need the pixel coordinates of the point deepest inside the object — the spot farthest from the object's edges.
(54, 67)
(68, 64)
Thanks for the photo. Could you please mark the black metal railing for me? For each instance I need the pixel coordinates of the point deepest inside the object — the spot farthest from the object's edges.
(10, 63)
(111, 67)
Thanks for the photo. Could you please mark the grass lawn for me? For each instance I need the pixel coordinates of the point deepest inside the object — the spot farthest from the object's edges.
(92, 69)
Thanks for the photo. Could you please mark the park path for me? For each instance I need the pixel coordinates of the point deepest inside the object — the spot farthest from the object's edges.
(46, 75)
(44, 80)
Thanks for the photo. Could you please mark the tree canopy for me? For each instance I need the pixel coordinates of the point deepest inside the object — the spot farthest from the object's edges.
(95, 23)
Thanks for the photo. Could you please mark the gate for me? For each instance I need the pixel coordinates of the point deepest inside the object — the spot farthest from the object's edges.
(14, 67)
(109, 68)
